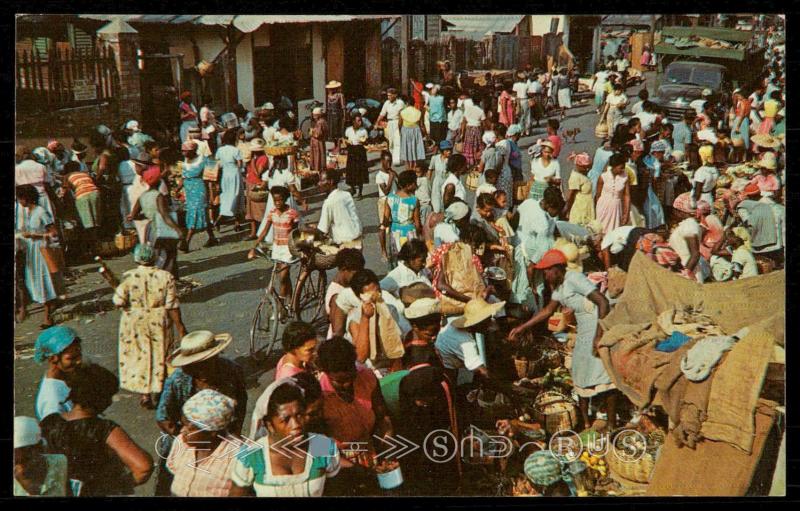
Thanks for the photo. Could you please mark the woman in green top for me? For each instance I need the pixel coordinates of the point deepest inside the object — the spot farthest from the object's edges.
(271, 471)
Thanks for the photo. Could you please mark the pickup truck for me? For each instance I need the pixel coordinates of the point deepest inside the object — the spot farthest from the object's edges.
(696, 58)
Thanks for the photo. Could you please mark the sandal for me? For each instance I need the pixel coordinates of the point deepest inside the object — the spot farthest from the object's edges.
(146, 402)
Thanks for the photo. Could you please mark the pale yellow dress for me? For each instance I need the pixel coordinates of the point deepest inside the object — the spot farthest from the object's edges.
(146, 294)
(582, 212)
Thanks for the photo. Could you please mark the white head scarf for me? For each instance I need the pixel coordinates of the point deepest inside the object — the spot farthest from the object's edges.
(258, 430)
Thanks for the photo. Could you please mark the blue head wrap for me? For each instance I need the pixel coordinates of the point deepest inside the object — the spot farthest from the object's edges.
(144, 254)
(53, 341)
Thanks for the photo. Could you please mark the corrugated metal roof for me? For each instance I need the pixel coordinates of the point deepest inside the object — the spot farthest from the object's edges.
(629, 20)
(477, 24)
(243, 22)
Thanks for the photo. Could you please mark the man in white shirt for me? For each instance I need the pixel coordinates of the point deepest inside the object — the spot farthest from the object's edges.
(458, 344)
(699, 105)
(454, 117)
(339, 217)
(521, 88)
(391, 114)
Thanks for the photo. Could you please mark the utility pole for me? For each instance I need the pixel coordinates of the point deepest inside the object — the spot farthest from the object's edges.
(405, 27)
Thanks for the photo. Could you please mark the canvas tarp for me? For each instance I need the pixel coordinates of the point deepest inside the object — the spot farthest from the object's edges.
(639, 371)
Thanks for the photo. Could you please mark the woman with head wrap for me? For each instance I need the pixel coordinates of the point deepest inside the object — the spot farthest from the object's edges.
(271, 471)
(740, 127)
(580, 206)
(60, 347)
(458, 270)
(100, 454)
(148, 298)
(456, 217)
(36, 233)
(613, 195)
(200, 461)
(705, 178)
(653, 210)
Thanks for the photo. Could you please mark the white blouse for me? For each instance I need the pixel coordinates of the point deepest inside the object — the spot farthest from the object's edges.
(355, 137)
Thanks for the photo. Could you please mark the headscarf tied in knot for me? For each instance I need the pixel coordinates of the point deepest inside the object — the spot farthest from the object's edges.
(54, 145)
(543, 468)
(455, 211)
(209, 410)
(580, 159)
(53, 341)
(706, 153)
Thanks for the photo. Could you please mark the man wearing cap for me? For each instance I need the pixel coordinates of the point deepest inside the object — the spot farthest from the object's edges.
(390, 112)
(425, 317)
(36, 473)
(574, 290)
(60, 347)
(765, 220)
(136, 138)
(198, 365)
(319, 134)
(699, 105)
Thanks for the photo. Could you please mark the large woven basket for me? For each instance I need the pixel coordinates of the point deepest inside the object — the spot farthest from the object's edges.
(318, 260)
(555, 410)
(280, 150)
(126, 240)
(472, 180)
(641, 470)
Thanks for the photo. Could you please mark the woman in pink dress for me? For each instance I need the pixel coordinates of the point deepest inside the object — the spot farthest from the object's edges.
(506, 105)
(613, 195)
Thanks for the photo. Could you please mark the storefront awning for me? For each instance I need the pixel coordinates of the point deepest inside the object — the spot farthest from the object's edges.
(243, 22)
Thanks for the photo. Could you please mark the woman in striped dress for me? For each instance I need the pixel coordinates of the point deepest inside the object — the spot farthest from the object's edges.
(35, 230)
(87, 199)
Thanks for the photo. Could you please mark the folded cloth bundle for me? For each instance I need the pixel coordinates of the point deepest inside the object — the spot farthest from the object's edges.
(721, 268)
(698, 362)
(673, 342)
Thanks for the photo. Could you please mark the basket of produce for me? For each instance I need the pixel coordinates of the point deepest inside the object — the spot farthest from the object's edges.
(126, 240)
(281, 150)
(632, 457)
(555, 410)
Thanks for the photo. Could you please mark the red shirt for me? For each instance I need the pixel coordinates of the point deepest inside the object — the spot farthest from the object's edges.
(556, 141)
(255, 168)
(282, 224)
(417, 94)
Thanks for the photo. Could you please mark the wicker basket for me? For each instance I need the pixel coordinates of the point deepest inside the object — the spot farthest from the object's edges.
(107, 248)
(523, 367)
(318, 260)
(555, 410)
(473, 178)
(126, 240)
(641, 470)
(285, 150)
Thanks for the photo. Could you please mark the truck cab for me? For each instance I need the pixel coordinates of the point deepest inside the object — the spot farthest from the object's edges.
(684, 81)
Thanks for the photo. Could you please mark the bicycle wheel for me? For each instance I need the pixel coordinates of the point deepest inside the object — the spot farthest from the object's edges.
(309, 297)
(264, 330)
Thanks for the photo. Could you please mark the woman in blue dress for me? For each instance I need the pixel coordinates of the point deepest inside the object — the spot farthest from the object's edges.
(232, 182)
(402, 215)
(35, 230)
(196, 199)
(653, 210)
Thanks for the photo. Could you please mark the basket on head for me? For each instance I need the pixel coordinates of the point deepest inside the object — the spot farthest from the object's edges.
(285, 150)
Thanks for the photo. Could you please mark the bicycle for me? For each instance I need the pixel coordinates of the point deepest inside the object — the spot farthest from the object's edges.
(305, 304)
(307, 122)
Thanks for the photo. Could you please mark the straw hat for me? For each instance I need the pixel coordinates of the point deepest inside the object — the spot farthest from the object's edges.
(768, 161)
(198, 346)
(258, 144)
(422, 307)
(765, 140)
(333, 84)
(547, 143)
(476, 311)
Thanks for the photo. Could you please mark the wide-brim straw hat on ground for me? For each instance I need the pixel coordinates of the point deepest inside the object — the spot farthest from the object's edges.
(198, 346)
(333, 84)
(476, 311)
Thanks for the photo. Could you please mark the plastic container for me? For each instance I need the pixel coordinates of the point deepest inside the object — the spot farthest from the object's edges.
(390, 480)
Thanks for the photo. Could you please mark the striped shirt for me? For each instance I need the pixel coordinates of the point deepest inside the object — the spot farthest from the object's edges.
(282, 224)
(82, 183)
(208, 476)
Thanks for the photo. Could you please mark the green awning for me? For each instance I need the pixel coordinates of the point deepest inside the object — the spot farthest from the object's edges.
(700, 51)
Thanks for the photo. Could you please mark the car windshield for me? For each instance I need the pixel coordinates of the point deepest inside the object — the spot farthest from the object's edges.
(702, 76)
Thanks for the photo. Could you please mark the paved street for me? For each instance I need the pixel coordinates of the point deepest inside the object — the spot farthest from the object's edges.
(228, 291)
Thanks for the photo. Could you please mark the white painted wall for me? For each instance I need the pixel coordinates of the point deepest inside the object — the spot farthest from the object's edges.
(244, 72)
(318, 63)
(540, 23)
